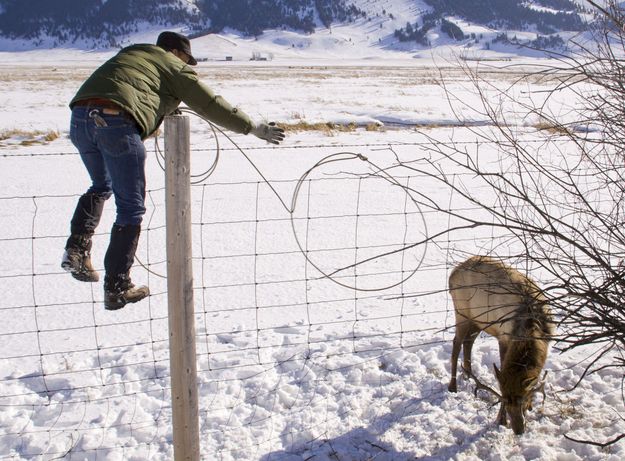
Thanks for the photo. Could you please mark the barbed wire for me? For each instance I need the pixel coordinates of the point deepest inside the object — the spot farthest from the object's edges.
(20, 154)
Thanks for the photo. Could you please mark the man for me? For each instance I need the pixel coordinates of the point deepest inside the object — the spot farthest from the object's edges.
(116, 108)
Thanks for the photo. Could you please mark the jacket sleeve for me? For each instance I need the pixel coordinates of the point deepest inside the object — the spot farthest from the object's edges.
(202, 100)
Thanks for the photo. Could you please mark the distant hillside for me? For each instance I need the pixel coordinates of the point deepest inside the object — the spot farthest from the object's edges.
(548, 16)
(106, 20)
(107, 23)
(253, 17)
(544, 17)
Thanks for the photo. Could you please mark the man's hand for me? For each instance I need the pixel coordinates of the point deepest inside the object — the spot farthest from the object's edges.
(269, 132)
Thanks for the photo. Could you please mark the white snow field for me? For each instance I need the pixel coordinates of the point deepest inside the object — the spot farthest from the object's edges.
(291, 365)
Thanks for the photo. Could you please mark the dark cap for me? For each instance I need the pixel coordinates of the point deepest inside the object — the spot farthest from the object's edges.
(175, 41)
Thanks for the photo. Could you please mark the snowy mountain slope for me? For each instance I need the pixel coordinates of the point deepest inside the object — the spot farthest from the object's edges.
(278, 27)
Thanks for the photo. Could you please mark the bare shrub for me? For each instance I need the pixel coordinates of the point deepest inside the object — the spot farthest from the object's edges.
(559, 191)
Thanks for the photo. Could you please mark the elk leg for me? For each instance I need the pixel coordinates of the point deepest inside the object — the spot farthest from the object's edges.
(502, 419)
(467, 346)
(462, 328)
(503, 349)
(502, 416)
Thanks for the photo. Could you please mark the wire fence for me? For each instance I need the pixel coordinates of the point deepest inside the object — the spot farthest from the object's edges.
(289, 306)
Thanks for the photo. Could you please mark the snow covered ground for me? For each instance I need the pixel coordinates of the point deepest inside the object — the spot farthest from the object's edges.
(291, 366)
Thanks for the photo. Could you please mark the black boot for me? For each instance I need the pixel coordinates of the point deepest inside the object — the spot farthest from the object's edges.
(118, 288)
(77, 256)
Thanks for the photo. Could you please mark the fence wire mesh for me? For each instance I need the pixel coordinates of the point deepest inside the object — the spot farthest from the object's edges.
(290, 305)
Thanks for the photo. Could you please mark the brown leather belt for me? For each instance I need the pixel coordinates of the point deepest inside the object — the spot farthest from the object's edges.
(110, 106)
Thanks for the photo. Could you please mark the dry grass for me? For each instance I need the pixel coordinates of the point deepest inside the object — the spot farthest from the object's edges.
(44, 75)
(27, 138)
(553, 128)
(374, 127)
(328, 128)
(51, 136)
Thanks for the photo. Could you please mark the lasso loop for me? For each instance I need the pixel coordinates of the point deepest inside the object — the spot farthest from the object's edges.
(336, 157)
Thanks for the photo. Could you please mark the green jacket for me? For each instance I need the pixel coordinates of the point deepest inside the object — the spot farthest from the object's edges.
(149, 83)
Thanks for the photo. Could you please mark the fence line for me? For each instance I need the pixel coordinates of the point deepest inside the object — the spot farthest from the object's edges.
(383, 145)
(261, 307)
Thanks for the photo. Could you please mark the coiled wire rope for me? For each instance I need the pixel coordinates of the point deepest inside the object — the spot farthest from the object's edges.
(332, 158)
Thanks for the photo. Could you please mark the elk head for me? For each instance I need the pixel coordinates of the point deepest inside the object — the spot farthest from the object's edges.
(516, 399)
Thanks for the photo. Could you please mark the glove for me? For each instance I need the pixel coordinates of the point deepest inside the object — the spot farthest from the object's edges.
(270, 132)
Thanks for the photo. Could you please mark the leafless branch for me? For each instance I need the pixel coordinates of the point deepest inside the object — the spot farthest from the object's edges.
(480, 385)
(557, 186)
(596, 444)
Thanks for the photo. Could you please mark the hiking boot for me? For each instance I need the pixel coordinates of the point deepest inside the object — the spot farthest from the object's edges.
(119, 291)
(77, 259)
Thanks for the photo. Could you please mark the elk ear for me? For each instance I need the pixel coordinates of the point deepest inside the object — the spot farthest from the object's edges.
(497, 372)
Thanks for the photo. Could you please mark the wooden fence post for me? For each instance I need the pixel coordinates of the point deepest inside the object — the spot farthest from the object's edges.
(182, 357)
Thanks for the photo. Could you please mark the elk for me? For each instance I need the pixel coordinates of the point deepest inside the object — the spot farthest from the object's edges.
(492, 297)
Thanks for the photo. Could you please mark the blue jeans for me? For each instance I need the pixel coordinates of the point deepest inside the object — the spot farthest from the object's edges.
(114, 156)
